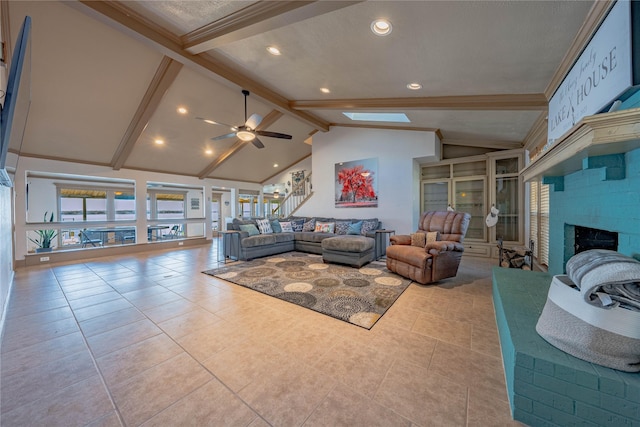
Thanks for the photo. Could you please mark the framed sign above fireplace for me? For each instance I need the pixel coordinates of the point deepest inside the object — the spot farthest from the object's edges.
(605, 71)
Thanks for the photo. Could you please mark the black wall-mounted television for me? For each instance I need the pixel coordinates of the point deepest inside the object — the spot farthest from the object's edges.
(17, 100)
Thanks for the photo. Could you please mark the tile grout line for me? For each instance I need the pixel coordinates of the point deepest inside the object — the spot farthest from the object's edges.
(193, 358)
(93, 358)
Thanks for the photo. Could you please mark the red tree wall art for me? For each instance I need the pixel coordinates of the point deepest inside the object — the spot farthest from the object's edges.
(356, 184)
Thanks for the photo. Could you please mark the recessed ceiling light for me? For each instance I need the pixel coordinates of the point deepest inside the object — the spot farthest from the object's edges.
(275, 165)
(414, 86)
(274, 50)
(182, 110)
(159, 141)
(208, 151)
(381, 27)
(325, 90)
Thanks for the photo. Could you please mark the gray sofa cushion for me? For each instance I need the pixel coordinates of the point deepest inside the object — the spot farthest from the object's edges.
(310, 236)
(283, 237)
(235, 224)
(348, 243)
(259, 240)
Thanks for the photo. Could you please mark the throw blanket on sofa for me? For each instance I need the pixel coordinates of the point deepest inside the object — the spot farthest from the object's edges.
(606, 278)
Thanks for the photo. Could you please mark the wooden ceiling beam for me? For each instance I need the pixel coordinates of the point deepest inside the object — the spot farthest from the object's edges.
(498, 145)
(115, 12)
(527, 101)
(164, 77)
(437, 131)
(255, 19)
(268, 120)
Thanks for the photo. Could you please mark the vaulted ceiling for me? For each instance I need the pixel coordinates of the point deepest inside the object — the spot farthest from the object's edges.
(108, 77)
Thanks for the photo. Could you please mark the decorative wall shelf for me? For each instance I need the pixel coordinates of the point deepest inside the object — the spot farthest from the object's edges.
(598, 135)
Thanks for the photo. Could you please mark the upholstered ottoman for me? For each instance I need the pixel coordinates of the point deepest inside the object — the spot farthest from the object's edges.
(352, 250)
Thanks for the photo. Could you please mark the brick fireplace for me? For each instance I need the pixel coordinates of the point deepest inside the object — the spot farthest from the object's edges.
(593, 198)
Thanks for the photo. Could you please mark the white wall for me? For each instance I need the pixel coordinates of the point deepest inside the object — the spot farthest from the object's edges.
(280, 180)
(399, 153)
(6, 250)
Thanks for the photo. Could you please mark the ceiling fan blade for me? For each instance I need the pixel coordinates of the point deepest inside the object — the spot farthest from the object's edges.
(218, 138)
(253, 121)
(257, 143)
(212, 122)
(273, 134)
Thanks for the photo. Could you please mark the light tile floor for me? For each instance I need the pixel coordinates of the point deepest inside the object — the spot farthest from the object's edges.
(150, 340)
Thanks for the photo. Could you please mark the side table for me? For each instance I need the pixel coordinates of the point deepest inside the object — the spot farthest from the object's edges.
(228, 245)
(382, 241)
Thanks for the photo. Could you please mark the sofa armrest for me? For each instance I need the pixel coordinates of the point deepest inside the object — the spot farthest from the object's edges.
(400, 239)
(434, 248)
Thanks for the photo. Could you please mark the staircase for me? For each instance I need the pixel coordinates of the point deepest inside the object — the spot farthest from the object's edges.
(299, 194)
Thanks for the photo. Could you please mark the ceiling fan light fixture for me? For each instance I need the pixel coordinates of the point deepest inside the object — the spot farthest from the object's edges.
(245, 135)
(381, 27)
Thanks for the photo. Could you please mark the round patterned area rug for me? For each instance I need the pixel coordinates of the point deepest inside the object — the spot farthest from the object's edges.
(358, 296)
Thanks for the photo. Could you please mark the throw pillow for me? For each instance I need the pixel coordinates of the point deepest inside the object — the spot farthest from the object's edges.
(433, 236)
(418, 239)
(355, 228)
(368, 225)
(297, 224)
(249, 228)
(286, 227)
(275, 226)
(342, 227)
(264, 226)
(309, 225)
(325, 227)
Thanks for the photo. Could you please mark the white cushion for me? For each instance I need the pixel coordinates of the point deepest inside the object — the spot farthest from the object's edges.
(286, 227)
(264, 226)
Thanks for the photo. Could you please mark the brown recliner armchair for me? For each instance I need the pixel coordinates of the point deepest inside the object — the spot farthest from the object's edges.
(437, 259)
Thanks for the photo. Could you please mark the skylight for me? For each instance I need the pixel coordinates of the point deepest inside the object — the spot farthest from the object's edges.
(378, 117)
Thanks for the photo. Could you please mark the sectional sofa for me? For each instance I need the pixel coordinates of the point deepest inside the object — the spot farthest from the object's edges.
(355, 243)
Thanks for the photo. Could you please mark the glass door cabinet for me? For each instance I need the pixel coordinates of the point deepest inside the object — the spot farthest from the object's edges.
(473, 185)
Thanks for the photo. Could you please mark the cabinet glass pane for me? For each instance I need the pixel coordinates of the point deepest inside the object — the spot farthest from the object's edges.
(504, 166)
(469, 197)
(470, 168)
(435, 172)
(507, 203)
(435, 196)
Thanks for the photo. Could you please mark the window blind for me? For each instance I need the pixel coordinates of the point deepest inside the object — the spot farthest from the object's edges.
(544, 224)
(534, 228)
(539, 221)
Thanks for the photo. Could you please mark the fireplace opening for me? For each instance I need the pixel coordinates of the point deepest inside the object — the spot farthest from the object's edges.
(592, 238)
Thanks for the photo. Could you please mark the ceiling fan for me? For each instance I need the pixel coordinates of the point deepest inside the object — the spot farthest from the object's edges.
(247, 132)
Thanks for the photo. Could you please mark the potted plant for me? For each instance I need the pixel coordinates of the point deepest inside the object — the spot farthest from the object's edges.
(45, 237)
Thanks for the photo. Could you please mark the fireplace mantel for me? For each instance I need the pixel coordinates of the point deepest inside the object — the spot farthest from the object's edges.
(597, 135)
